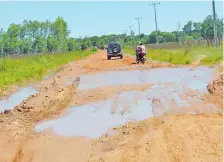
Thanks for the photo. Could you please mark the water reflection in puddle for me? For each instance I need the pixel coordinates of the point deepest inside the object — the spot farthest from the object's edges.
(160, 75)
(94, 119)
(16, 98)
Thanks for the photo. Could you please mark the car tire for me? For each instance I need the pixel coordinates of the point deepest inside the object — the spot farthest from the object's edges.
(108, 57)
(121, 57)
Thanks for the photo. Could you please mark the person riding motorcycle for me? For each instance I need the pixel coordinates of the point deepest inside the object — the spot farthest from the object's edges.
(142, 48)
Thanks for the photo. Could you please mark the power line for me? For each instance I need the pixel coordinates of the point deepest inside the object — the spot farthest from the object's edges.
(154, 4)
(139, 28)
(214, 18)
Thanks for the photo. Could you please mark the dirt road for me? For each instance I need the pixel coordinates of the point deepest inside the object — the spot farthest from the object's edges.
(148, 136)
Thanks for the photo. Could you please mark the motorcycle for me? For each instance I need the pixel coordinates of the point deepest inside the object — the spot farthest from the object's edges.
(140, 56)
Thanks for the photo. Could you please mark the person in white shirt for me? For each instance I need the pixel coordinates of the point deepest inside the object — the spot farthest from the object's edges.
(143, 49)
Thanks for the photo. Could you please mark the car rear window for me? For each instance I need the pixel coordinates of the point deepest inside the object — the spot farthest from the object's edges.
(114, 44)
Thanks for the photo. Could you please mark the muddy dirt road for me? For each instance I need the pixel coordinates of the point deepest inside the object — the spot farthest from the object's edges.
(114, 111)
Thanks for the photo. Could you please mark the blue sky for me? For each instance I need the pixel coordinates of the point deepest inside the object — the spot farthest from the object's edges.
(99, 18)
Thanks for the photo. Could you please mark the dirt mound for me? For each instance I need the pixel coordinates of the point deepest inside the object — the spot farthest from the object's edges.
(216, 87)
(170, 138)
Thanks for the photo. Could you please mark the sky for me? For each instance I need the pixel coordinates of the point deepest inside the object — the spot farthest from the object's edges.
(102, 18)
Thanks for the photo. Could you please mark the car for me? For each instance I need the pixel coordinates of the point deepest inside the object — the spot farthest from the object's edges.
(114, 50)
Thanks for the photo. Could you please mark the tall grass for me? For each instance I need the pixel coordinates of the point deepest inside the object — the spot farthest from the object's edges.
(20, 70)
(214, 55)
(184, 55)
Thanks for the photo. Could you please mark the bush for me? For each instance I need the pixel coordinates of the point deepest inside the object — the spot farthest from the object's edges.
(94, 49)
(83, 46)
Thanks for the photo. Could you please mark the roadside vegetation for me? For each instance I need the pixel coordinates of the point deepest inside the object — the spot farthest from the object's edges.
(184, 55)
(214, 55)
(22, 69)
(53, 36)
(27, 50)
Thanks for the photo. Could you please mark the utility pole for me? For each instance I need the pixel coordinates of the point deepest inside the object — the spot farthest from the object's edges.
(215, 30)
(130, 27)
(178, 32)
(139, 27)
(154, 4)
(125, 31)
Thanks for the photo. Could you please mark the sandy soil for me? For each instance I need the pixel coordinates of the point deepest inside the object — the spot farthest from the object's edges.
(166, 138)
(216, 87)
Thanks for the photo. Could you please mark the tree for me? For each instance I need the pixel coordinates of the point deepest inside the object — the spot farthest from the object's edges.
(219, 24)
(53, 36)
(59, 30)
(26, 45)
(188, 28)
(141, 35)
(197, 26)
(1, 41)
(152, 36)
(52, 44)
(83, 46)
(132, 33)
(95, 41)
(188, 38)
(166, 37)
(13, 33)
(207, 29)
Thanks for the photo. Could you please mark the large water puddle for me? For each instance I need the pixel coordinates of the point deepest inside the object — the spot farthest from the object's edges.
(182, 76)
(16, 98)
(169, 90)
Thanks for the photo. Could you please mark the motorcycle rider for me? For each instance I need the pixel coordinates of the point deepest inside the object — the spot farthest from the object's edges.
(143, 49)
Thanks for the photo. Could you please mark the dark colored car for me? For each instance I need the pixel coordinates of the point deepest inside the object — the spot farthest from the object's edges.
(114, 50)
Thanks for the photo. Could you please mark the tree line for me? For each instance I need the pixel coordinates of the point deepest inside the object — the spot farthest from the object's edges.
(35, 37)
(50, 37)
(191, 31)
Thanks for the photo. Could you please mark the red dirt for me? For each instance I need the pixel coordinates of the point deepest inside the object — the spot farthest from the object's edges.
(166, 138)
(216, 87)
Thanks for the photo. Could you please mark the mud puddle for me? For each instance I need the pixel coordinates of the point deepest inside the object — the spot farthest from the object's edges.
(170, 91)
(16, 98)
(95, 119)
(182, 76)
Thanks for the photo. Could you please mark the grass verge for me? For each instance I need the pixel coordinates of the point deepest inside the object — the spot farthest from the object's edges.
(185, 55)
(21, 70)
